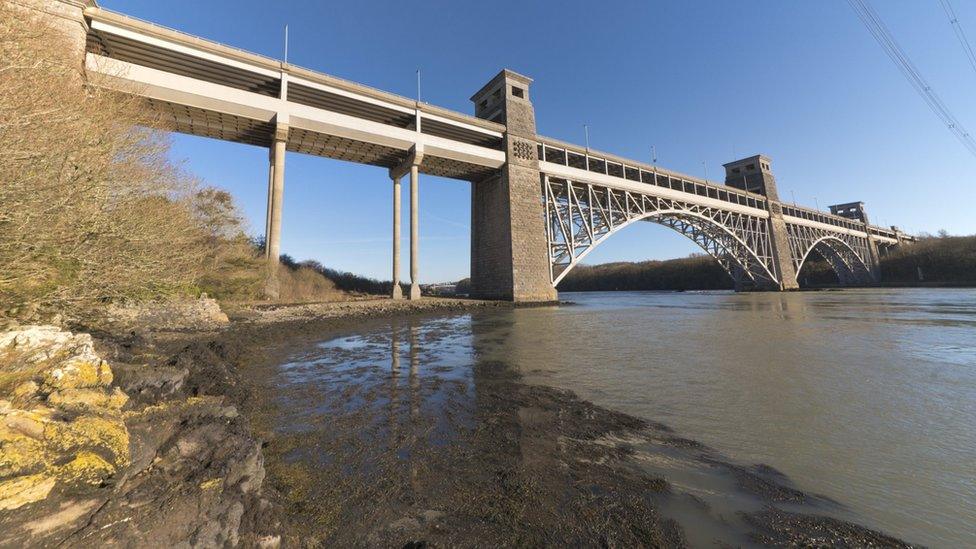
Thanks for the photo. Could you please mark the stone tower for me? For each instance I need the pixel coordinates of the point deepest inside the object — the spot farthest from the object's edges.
(509, 259)
(755, 174)
(857, 212)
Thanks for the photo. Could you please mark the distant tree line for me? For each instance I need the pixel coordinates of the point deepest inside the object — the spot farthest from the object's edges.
(697, 272)
(932, 261)
(344, 281)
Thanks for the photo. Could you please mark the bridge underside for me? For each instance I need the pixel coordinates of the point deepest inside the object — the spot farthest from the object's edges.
(238, 129)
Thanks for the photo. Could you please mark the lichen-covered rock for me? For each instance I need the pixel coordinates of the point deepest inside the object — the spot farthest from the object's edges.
(88, 400)
(82, 464)
(19, 453)
(77, 374)
(106, 435)
(86, 468)
(62, 425)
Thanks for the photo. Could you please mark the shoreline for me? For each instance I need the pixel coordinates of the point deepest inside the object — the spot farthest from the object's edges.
(528, 464)
(542, 433)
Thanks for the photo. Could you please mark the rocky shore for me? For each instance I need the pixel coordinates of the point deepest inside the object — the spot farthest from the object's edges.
(172, 438)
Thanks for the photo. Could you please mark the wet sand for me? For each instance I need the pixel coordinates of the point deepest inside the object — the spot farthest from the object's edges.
(374, 439)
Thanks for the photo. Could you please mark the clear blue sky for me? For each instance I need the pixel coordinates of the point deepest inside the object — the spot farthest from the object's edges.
(802, 82)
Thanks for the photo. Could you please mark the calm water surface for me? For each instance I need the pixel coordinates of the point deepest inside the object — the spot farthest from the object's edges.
(867, 397)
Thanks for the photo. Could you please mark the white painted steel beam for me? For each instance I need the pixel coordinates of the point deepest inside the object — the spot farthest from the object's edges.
(614, 182)
(834, 228)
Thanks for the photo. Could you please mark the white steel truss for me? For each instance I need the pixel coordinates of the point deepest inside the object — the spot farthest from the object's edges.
(581, 215)
(848, 255)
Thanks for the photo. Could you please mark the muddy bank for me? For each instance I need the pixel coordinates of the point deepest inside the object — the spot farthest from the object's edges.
(338, 425)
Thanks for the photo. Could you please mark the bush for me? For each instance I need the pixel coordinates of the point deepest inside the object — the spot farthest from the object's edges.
(946, 260)
(91, 208)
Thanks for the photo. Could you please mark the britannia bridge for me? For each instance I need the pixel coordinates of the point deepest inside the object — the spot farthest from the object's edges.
(538, 205)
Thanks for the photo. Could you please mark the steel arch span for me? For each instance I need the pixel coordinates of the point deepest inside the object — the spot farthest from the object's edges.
(580, 216)
(848, 255)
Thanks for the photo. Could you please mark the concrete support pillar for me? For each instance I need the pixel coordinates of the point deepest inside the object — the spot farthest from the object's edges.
(275, 200)
(414, 231)
(397, 291)
(267, 217)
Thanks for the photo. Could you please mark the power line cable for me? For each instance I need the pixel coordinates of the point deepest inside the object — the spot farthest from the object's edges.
(872, 21)
(960, 33)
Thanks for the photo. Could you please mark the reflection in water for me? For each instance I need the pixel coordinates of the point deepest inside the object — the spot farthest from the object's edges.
(867, 397)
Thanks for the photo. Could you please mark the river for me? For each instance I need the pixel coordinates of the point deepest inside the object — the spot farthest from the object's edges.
(866, 397)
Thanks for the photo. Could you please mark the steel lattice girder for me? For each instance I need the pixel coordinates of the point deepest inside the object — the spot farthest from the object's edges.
(847, 254)
(579, 216)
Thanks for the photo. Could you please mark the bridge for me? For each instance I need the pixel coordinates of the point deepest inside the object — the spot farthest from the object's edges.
(538, 205)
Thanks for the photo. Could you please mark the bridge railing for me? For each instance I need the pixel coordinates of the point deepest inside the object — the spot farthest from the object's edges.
(811, 214)
(642, 173)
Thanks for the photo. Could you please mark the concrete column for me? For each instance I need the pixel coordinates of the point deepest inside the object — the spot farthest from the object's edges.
(267, 217)
(414, 232)
(397, 291)
(276, 198)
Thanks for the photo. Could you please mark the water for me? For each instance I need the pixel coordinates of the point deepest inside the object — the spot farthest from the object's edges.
(867, 397)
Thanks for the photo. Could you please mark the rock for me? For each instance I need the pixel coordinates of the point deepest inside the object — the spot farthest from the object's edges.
(39, 343)
(86, 468)
(106, 435)
(431, 515)
(20, 454)
(62, 428)
(27, 423)
(90, 400)
(77, 373)
(20, 491)
(202, 313)
(25, 391)
(404, 524)
(82, 464)
(146, 384)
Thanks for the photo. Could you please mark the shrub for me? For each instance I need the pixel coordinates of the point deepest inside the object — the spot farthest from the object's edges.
(91, 207)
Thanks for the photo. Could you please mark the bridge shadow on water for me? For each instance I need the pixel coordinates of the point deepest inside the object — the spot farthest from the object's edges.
(421, 429)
